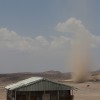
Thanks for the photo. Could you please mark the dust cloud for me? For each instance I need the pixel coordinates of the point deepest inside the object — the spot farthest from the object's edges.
(80, 57)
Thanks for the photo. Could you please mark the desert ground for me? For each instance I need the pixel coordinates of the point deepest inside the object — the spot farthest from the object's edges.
(2, 92)
(85, 91)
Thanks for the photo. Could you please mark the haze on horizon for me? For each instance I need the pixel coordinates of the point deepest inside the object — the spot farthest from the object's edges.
(37, 35)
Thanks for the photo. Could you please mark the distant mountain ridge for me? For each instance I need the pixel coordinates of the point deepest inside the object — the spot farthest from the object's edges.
(54, 75)
(96, 72)
(14, 77)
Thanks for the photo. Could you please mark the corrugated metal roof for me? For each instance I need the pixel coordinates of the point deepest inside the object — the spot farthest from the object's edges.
(23, 83)
(41, 84)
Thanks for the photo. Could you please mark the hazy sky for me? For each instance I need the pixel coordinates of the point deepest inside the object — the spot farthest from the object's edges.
(36, 35)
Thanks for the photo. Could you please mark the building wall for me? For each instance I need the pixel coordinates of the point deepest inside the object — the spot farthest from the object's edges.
(44, 95)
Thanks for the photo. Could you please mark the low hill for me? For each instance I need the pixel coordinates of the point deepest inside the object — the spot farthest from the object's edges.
(14, 77)
(54, 75)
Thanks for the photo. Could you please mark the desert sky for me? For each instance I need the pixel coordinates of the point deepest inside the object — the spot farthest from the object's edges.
(36, 35)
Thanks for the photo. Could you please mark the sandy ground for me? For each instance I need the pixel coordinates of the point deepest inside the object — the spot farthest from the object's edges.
(86, 91)
(2, 92)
